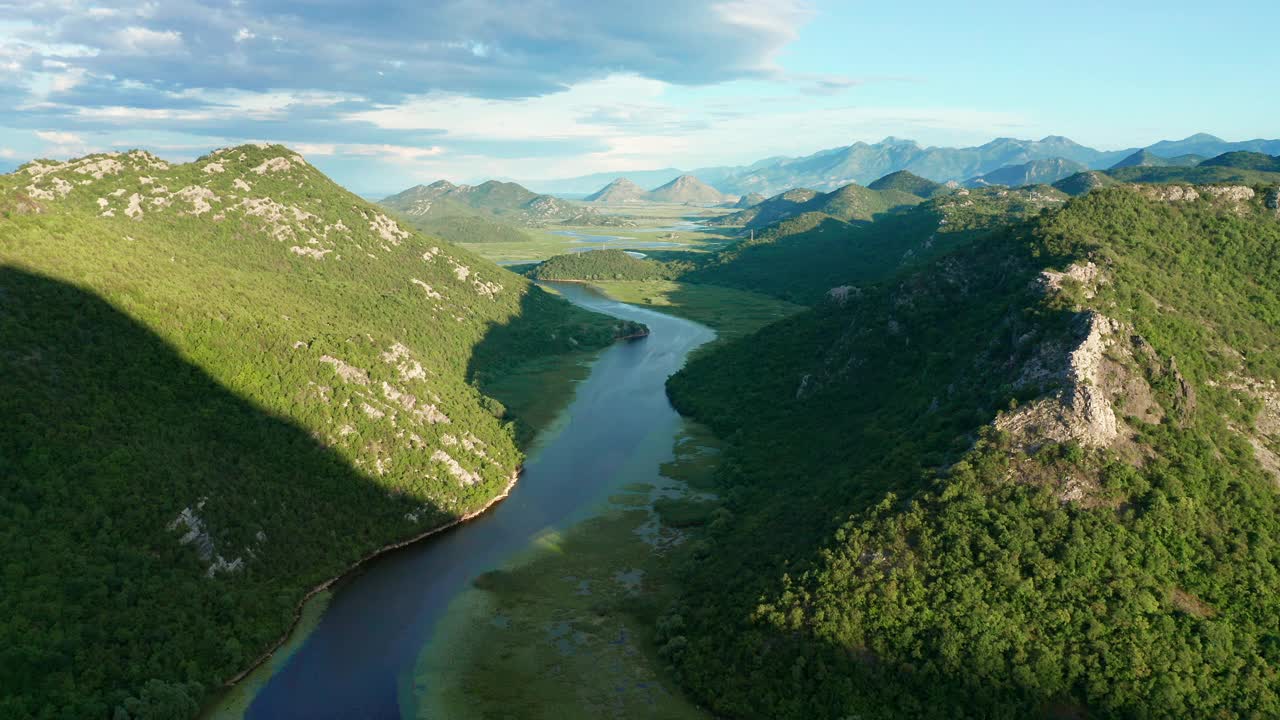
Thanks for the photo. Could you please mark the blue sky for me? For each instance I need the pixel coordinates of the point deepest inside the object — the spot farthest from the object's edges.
(386, 94)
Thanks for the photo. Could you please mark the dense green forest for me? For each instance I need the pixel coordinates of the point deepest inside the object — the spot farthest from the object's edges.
(604, 265)
(1035, 475)
(206, 368)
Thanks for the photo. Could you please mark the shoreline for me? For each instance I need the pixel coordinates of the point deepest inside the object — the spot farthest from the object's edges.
(297, 611)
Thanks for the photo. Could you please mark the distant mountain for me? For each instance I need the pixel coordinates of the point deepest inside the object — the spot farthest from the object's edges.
(687, 189)
(749, 200)
(619, 190)
(1034, 172)
(586, 184)
(1210, 146)
(1245, 161)
(506, 200)
(1143, 158)
(908, 182)
(863, 163)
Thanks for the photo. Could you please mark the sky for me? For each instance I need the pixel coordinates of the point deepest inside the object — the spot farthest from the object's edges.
(385, 94)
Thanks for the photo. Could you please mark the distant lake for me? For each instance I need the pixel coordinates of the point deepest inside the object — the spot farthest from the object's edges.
(613, 240)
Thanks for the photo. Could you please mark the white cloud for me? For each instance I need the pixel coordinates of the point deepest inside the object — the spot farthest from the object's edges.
(135, 40)
(63, 144)
(59, 137)
(8, 153)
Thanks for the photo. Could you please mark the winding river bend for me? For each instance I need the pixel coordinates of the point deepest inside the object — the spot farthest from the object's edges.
(359, 659)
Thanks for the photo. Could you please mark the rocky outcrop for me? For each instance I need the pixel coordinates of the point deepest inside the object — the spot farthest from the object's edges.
(1168, 193)
(1080, 411)
(1086, 274)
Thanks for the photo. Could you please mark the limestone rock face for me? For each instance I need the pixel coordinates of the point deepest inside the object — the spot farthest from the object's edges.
(1080, 410)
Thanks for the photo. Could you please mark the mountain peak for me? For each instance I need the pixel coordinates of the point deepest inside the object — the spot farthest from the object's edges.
(619, 189)
(687, 189)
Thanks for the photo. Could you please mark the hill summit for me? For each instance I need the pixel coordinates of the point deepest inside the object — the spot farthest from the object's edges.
(688, 189)
(620, 190)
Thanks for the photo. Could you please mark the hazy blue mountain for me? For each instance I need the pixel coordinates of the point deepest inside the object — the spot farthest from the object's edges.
(687, 189)
(1210, 146)
(620, 190)
(1030, 173)
(587, 184)
(863, 162)
(1146, 158)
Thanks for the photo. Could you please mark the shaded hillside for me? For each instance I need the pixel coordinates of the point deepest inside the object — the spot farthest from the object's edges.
(749, 200)
(1036, 476)
(224, 382)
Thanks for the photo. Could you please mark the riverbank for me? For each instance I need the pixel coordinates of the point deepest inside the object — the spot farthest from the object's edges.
(568, 629)
(359, 659)
(307, 612)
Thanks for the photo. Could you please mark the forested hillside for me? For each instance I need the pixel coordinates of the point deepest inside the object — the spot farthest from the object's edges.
(800, 258)
(1034, 476)
(223, 383)
(602, 265)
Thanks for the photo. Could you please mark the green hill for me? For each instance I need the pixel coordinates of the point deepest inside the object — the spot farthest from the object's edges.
(1200, 174)
(223, 383)
(851, 203)
(599, 265)
(799, 259)
(1245, 161)
(1034, 476)
(507, 201)
(910, 183)
(1083, 182)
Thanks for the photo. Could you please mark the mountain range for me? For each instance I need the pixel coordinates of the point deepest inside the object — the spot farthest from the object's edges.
(683, 189)
(862, 162)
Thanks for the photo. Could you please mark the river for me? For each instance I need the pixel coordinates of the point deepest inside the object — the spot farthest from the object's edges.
(358, 660)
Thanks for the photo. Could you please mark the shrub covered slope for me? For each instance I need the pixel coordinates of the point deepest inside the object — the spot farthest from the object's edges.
(1034, 476)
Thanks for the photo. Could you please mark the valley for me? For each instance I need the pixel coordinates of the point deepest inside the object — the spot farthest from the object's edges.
(718, 457)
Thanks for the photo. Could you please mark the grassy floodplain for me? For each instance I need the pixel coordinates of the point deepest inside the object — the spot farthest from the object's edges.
(567, 629)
